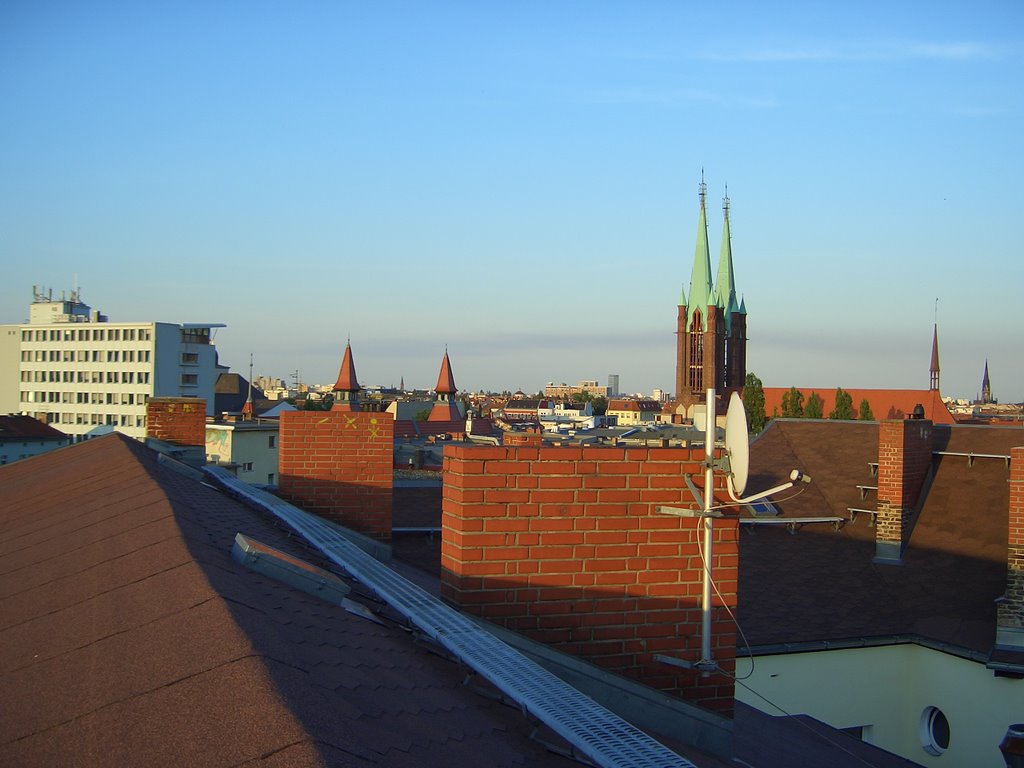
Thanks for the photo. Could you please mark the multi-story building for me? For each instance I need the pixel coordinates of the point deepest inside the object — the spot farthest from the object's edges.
(564, 391)
(70, 367)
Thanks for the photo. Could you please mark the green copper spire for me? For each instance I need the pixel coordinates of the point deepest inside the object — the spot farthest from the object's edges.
(726, 283)
(700, 278)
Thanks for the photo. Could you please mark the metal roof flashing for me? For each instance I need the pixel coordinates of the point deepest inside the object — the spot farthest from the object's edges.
(589, 728)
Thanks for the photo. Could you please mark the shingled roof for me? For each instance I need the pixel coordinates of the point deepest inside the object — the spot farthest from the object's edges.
(129, 636)
(821, 585)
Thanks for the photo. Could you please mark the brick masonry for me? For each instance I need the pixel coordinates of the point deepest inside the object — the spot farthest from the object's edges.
(564, 545)
(904, 459)
(339, 465)
(1011, 611)
(177, 420)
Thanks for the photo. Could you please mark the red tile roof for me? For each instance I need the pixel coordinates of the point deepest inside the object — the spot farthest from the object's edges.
(885, 403)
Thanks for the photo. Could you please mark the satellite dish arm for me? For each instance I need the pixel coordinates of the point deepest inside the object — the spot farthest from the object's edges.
(795, 476)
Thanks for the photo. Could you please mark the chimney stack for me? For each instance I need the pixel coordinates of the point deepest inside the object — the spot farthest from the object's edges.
(1010, 620)
(904, 460)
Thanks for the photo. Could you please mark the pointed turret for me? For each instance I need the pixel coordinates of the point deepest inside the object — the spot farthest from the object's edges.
(934, 368)
(986, 386)
(445, 380)
(346, 388)
(249, 410)
(700, 277)
(445, 408)
(726, 283)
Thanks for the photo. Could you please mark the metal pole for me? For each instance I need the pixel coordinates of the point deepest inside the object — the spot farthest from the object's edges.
(709, 480)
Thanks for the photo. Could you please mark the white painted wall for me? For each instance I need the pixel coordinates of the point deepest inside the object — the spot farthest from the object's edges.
(887, 688)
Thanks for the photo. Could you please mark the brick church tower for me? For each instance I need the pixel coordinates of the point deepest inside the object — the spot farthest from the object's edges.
(711, 328)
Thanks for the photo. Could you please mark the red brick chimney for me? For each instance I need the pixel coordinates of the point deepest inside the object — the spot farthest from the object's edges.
(1010, 621)
(177, 420)
(904, 460)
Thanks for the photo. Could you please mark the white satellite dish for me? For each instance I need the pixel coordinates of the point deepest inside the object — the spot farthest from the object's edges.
(737, 444)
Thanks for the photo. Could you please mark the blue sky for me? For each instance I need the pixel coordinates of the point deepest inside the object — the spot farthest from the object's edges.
(519, 182)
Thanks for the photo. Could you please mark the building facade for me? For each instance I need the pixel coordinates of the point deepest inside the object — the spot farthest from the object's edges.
(72, 368)
(248, 449)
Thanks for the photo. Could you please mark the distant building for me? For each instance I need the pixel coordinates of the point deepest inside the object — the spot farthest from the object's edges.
(565, 391)
(633, 412)
(613, 385)
(248, 449)
(70, 367)
(23, 436)
(711, 326)
(884, 403)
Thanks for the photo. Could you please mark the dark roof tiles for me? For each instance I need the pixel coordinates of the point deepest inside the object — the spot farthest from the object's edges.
(129, 636)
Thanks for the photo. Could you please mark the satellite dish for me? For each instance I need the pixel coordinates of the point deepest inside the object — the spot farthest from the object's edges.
(737, 443)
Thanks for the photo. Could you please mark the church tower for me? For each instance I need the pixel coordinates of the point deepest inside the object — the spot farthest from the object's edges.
(711, 327)
(986, 387)
(933, 383)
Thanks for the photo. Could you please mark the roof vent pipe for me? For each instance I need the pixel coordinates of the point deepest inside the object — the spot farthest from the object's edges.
(1012, 746)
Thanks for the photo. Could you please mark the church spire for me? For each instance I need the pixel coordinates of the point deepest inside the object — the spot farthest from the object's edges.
(726, 283)
(934, 369)
(700, 277)
(346, 388)
(986, 386)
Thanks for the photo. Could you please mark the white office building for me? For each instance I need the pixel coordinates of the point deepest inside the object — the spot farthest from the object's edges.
(70, 367)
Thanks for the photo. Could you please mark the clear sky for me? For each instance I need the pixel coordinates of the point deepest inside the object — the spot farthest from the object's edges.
(518, 181)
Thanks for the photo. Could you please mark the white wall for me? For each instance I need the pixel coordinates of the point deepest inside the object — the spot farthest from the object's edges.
(888, 688)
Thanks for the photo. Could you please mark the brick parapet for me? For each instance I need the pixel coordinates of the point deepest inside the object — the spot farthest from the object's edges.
(564, 544)
(1011, 609)
(177, 420)
(339, 465)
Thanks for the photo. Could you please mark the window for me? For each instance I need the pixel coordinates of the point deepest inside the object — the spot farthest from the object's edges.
(189, 358)
(271, 441)
(270, 478)
(934, 731)
(189, 380)
(247, 466)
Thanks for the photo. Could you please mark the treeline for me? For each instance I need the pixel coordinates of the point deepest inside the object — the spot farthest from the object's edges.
(794, 406)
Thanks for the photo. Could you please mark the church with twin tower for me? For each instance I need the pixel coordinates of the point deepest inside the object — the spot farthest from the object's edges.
(711, 325)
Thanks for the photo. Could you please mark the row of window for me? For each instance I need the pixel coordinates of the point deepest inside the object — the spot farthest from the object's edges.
(96, 419)
(85, 398)
(86, 356)
(87, 377)
(87, 334)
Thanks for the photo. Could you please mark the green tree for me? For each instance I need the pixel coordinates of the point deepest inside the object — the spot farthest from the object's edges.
(815, 408)
(865, 411)
(753, 403)
(844, 405)
(599, 405)
(793, 404)
(422, 415)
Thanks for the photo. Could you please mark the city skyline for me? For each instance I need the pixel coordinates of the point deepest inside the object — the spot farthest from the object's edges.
(521, 186)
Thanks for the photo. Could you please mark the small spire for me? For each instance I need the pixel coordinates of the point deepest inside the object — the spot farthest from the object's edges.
(248, 409)
(933, 370)
(346, 388)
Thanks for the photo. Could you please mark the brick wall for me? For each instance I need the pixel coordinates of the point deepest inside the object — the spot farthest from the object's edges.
(1011, 611)
(904, 459)
(563, 544)
(339, 465)
(177, 420)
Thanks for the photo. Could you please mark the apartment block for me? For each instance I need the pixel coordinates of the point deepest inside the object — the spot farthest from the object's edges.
(72, 368)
